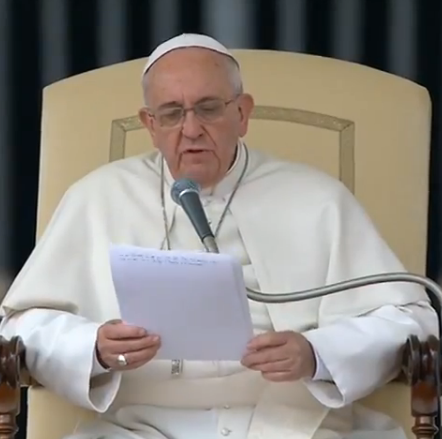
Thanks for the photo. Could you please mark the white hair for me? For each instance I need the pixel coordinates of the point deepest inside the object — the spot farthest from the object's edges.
(235, 76)
(233, 71)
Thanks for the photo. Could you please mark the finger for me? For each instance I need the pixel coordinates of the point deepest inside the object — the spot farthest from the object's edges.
(121, 331)
(133, 366)
(268, 339)
(140, 356)
(133, 359)
(275, 366)
(269, 355)
(126, 346)
(278, 377)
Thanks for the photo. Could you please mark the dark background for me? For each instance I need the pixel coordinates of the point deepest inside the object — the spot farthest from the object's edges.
(42, 41)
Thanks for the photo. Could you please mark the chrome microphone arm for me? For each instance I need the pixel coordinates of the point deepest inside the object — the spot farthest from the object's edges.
(434, 290)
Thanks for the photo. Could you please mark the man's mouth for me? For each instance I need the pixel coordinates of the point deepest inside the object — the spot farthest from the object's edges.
(195, 151)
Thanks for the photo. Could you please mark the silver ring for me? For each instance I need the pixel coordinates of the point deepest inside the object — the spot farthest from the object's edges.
(121, 360)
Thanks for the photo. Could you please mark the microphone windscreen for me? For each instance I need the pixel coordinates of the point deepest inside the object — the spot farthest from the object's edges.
(181, 185)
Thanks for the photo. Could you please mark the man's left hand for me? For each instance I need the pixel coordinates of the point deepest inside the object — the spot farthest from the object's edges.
(281, 356)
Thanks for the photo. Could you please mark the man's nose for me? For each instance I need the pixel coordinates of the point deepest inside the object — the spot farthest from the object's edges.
(192, 127)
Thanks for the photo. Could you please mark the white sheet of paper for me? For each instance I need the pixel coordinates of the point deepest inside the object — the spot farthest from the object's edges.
(196, 302)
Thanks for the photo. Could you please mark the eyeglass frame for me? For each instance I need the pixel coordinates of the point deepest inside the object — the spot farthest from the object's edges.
(185, 110)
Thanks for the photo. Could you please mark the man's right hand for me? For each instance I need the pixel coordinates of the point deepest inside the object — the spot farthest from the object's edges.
(115, 338)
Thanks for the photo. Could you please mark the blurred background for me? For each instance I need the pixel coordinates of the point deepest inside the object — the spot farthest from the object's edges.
(43, 41)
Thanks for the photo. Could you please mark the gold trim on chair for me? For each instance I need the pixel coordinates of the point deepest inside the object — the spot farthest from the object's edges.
(345, 128)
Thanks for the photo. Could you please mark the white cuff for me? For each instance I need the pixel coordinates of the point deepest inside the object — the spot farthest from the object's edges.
(97, 368)
(321, 373)
(326, 391)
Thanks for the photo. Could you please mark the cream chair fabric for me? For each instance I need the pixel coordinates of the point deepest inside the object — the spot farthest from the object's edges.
(368, 128)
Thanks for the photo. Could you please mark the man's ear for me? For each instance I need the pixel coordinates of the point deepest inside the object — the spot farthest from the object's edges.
(246, 104)
(147, 120)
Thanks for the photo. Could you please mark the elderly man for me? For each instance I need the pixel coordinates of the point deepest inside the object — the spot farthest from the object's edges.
(292, 227)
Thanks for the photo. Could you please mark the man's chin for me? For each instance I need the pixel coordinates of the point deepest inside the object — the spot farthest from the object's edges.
(199, 174)
(196, 156)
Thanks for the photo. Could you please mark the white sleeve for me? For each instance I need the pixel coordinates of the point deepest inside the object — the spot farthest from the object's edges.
(361, 354)
(60, 352)
(321, 372)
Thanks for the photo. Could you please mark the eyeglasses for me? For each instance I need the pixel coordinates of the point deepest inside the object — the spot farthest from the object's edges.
(207, 111)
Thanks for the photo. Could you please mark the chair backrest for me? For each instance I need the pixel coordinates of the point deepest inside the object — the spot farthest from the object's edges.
(368, 128)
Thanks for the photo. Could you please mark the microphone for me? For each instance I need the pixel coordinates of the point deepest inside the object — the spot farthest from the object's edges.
(186, 193)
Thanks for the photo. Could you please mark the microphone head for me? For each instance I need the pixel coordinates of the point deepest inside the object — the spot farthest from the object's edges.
(181, 186)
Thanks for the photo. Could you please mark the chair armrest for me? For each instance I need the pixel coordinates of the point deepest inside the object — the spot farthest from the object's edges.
(420, 370)
(13, 375)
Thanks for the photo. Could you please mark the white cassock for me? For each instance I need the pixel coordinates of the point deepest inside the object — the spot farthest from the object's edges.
(293, 228)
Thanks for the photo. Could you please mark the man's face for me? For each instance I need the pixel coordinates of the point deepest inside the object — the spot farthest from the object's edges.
(201, 145)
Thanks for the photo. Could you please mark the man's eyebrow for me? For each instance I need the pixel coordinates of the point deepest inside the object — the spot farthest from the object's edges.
(208, 98)
(171, 104)
(174, 104)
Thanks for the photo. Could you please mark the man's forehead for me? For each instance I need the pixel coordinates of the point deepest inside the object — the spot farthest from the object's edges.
(178, 77)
